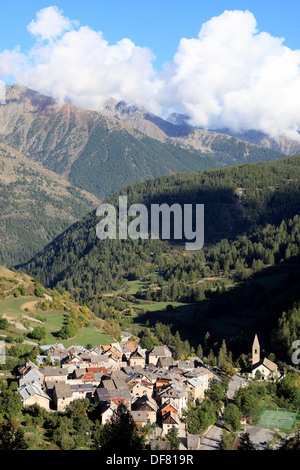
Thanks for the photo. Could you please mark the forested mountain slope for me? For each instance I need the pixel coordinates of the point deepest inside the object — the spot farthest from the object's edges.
(243, 280)
(236, 199)
(36, 206)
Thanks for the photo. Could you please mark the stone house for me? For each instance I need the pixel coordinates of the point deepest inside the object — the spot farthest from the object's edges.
(139, 417)
(169, 421)
(196, 388)
(62, 396)
(159, 352)
(81, 391)
(32, 375)
(33, 394)
(137, 358)
(54, 374)
(104, 395)
(176, 396)
(147, 405)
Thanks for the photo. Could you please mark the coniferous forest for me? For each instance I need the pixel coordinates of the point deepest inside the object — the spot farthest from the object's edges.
(247, 271)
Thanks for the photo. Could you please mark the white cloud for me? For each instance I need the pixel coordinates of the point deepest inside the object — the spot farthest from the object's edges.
(50, 23)
(231, 75)
(82, 67)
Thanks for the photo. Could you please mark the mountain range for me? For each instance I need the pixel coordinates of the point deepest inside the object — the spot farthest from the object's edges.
(100, 153)
(177, 129)
(90, 155)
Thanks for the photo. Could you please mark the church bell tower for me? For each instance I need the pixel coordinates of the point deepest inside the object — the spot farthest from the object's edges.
(255, 351)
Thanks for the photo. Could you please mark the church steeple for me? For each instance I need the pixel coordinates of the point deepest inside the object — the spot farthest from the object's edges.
(255, 351)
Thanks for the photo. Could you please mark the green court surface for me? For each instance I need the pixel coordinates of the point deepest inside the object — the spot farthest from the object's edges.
(280, 419)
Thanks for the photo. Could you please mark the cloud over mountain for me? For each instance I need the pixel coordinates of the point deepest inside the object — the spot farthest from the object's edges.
(231, 75)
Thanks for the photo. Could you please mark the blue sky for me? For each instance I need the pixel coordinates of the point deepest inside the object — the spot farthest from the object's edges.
(224, 64)
(159, 24)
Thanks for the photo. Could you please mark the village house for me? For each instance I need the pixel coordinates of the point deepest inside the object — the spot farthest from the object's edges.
(189, 364)
(113, 390)
(62, 396)
(169, 421)
(30, 374)
(165, 362)
(92, 375)
(196, 388)
(117, 396)
(126, 351)
(54, 374)
(148, 405)
(174, 395)
(140, 418)
(166, 408)
(137, 358)
(107, 410)
(159, 352)
(160, 384)
(33, 394)
(82, 391)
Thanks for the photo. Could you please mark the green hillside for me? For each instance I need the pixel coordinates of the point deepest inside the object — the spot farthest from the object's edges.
(251, 225)
(31, 314)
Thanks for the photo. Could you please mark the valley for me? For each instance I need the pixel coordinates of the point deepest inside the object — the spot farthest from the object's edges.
(61, 287)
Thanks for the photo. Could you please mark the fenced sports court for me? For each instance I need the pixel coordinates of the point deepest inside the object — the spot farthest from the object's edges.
(280, 418)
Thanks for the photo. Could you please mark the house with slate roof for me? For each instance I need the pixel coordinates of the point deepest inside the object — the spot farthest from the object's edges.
(159, 352)
(33, 394)
(137, 358)
(82, 390)
(30, 374)
(175, 395)
(139, 417)
(169, 421)
(148, 405)
(196, 387)
(62, 395)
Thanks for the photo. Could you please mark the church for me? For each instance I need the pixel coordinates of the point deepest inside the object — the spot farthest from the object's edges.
(268, 369)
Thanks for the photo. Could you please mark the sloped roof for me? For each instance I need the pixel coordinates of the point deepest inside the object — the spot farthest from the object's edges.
(145, 401)
(166, 405)
(162, 445)
(54, 371)
(266, 363)
(105, 394)
(139, 416)
(160, 351)
(269, 364)
(31, 390)
(196, 382)
(170, 418)
(62, 390)
(84, 387)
